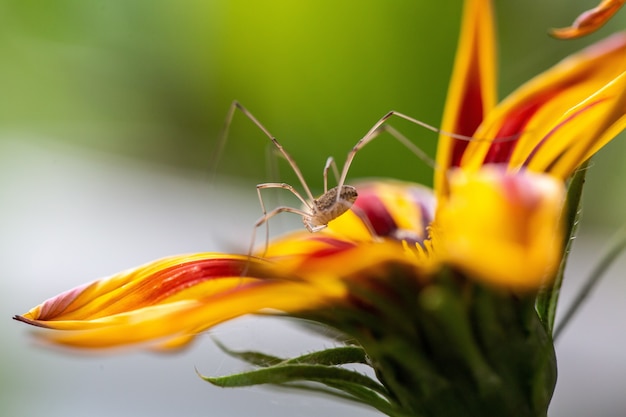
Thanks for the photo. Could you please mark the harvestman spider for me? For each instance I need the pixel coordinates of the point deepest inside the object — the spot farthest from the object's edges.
(318, 212)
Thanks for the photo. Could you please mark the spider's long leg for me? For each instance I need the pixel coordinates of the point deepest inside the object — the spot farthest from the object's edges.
(330, 163)
(380, 126)
(265, 219)
(222, 141)
(266, 216)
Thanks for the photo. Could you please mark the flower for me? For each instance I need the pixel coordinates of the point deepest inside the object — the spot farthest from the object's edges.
(437, 288)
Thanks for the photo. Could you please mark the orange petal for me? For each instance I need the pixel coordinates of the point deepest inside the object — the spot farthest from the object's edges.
(524, 121)
(472, 90)
(589, 21)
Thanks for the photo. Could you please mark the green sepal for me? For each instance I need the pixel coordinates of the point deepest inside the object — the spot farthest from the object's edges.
(518, 348)
(548, 298)
(251, 357)
(349, 384)
(317, 371)
(285, 373)
(341, 355)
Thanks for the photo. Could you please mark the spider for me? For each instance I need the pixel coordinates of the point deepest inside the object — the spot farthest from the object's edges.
(316, 213)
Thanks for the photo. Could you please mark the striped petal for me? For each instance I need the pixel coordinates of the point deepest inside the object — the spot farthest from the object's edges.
(166, 302)
(582, 131)
(589, 21)
(472, 91)
(388, 209)
(559, 118)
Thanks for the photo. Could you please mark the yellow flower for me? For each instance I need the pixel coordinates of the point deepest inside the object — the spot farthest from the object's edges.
(496, 218)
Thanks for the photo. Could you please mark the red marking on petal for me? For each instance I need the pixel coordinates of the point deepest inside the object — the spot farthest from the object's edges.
(546, 138)
(148, 285)
(471, 114)
(170, 281)
(520, 190)
(513, 124)
(370, 206)
(334, 246)
(57, 305)
(382, 220)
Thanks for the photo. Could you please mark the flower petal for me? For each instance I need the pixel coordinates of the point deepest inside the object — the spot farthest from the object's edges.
(323, 257)
(544, 107)
(388, 209)
(168, 301)
(589, 21)
(582, 131)
(504, 229)
(472, 90)
(164, 304)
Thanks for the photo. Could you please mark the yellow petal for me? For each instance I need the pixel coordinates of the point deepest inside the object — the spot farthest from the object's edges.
(503, 229)
(582, 131)
(472, 91)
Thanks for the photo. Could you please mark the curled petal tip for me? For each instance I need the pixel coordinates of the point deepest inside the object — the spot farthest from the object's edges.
(589, 21)
(27, 320)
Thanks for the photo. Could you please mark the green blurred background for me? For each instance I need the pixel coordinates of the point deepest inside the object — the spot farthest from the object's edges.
(154, 79)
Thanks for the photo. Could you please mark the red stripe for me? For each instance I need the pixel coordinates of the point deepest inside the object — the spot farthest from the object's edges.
(555, 129)
(170, 281)
(513, 126)
(371, 209)
(471, 114)
(334, 246)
